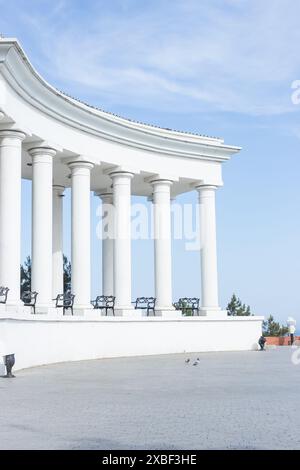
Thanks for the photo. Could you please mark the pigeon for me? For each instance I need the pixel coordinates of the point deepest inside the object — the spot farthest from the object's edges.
(198, 359)
(195, 363)
(187, 361)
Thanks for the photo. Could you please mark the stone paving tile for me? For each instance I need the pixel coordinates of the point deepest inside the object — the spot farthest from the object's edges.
(243, 400)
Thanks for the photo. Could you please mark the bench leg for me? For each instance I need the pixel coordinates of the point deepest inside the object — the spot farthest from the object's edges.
(112, 309)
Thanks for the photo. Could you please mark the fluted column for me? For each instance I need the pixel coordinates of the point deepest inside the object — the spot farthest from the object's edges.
(122, 242)
(209, 268)
(162, 244)
(57, 240)
(10, 212)
(81, 230)
(41, 271)
(107, 244)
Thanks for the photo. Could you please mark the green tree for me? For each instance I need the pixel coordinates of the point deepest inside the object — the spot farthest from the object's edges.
(236, 308)
(272, 328)
(67, 274)
(183, 304)
(26, 275)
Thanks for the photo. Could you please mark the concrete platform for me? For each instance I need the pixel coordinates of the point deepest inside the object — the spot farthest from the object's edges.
(243, 400)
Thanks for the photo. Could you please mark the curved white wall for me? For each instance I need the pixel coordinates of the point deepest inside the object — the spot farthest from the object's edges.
(40, 341)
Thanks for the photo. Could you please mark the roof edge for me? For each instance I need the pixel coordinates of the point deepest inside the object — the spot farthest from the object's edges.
(151, 130)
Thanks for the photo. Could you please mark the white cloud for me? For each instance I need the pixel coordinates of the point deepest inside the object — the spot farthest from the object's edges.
(224, 55)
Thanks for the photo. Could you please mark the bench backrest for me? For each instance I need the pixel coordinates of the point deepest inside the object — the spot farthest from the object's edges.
(148, 301)
(3, 294)
(29, 297)
(105, 301)
(188, 302)
(65, 300)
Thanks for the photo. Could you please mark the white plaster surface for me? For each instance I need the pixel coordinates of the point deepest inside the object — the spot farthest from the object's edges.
(42, 339)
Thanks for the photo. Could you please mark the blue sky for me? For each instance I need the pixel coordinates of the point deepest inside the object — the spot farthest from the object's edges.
(218, 67)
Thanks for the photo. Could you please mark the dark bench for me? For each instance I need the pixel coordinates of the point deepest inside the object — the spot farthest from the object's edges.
(188, 305)
(3, 294)
(65, 301)
(145, 303)
(104, 302)
(29, 299)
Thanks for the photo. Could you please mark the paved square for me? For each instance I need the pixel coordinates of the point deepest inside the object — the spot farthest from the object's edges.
(243, 400)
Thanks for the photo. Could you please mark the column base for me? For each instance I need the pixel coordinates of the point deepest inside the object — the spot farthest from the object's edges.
(17, 308)
(42, 309)
(14, 303)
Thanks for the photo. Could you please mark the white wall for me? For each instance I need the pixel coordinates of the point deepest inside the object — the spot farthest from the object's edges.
(40, 341)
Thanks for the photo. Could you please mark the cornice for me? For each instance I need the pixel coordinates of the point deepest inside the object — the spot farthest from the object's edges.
(33, 89)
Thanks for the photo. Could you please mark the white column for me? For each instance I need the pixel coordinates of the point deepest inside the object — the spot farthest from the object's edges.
(41, 271)
(57, 241)
(107, 244)
(122, 242)
(162, 244)
(10, 212)
(81, 233)
(209, 268)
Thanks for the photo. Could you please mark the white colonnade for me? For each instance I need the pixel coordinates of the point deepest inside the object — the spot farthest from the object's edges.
(47, 232)
(60, 142)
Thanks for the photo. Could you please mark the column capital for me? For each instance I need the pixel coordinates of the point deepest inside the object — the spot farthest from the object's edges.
(106, 198)
(58, 189)
(203, 187)
(80, 164)
(206, 191)
(115, 173)
(161, 181)
(12, 133)
(42, 151)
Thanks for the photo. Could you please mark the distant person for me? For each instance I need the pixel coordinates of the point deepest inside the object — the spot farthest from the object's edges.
(292, 331)
(262, 341)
